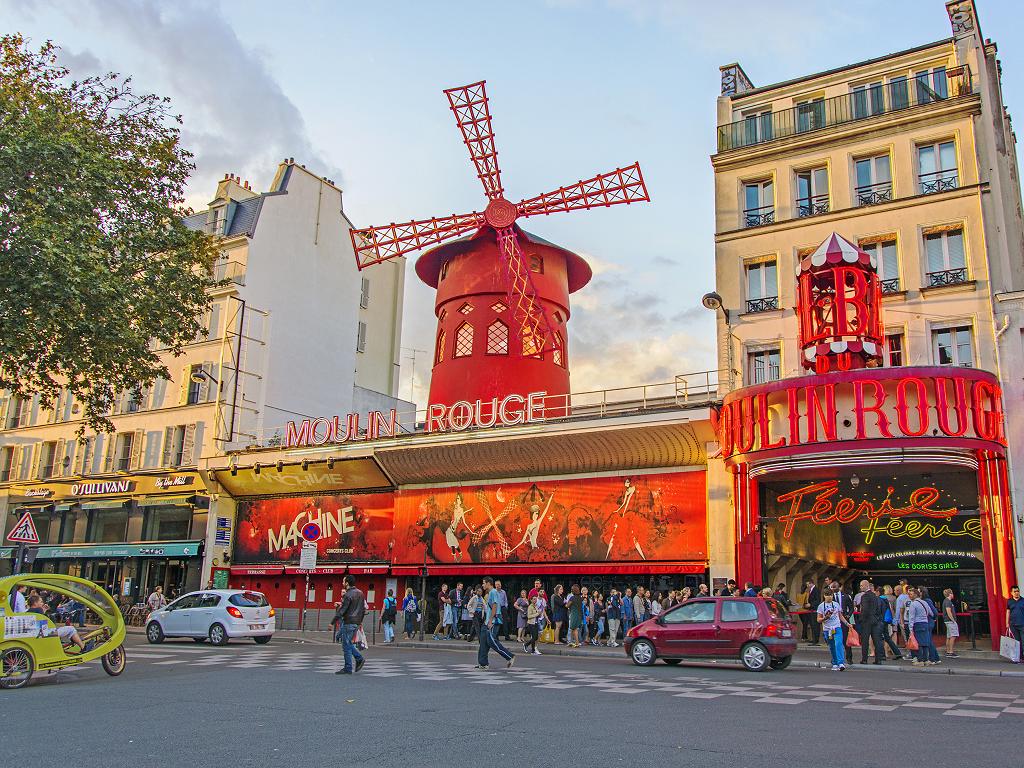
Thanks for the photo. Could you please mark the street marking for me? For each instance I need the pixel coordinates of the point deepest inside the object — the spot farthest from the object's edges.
(985, 713)
(929, 705)
(698, 695)
(873, 707)
(778, 700)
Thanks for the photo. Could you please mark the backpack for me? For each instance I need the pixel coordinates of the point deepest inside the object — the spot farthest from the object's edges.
(390, 609)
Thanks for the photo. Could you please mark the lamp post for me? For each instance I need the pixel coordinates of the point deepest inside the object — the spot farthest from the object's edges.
(713, 301)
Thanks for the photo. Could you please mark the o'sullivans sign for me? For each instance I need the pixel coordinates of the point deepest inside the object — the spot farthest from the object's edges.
(457, 417)
(867, 404)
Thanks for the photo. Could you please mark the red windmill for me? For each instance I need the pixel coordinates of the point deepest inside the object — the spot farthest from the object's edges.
(502, 294)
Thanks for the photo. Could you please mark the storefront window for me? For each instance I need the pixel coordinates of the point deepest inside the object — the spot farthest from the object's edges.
(167, 523)
(107, 525)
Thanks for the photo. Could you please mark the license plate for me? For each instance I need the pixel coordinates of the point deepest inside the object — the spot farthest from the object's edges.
(786, 633)
(257, 626)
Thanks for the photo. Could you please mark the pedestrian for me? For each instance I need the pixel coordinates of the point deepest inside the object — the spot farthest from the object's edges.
(574, 608)
(585, 607)
(542, 605)
(444, 608)
(613, 610)
(870, 623)
(702, 590)
(455, 597)
(902, 592)
(765, 593)
(388, 615)
(491, 631)
(537, 589)
(919, 617)
(656, 608)
(728, 589)
(17, 599)
(411, 611)
(888, 620)
(475, 607)
(521, 604)
(846, 608)
(156, 599)
(506, 615)
(638, 606)
(803, 600)
(599, 618)
(831, 619)
(349, 618)
(533, 615)
(748, 590)
(949, 619)
(559, 615)
(1015, 617)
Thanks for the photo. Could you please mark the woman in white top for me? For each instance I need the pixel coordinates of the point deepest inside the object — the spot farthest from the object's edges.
(830, 616)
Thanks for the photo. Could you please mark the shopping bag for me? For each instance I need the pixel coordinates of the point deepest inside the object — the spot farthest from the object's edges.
(360, 638)
(548, 635)
(852, 638)
(912, 644)
(1009, 648)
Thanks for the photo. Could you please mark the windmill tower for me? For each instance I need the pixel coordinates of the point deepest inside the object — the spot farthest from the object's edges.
(502, 293)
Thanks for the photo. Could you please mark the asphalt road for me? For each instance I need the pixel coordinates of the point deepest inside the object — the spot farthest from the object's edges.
(182, 704)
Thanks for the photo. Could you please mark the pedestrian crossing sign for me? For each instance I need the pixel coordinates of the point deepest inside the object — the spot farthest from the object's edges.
(24, 532)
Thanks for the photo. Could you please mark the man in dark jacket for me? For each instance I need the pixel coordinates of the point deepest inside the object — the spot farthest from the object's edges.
(348, 618)
(870, 623)
(813, 601)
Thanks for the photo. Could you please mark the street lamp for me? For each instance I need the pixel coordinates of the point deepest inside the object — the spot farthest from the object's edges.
(713, 301)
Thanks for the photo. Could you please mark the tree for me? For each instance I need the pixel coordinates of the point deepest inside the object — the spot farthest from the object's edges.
(97, 270)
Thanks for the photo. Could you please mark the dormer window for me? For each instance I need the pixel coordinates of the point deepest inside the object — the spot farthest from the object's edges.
(216, 219)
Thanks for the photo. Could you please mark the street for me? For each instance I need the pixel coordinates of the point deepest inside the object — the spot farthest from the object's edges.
(280, 704)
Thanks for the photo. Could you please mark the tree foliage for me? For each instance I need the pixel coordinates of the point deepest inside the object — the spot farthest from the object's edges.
(97, 270)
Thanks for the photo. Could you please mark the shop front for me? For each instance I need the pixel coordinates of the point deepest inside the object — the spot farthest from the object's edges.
(881, 473)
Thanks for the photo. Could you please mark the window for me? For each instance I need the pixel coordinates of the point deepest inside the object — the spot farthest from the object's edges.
(692, 613)
(947, 263)
(364, 293)
(439, 351)
(444, 270)
(361, 337)
(19, 412)
(868, 100)
(195, 385)
(758, 203)
(738, 610)
(812, 192)
(463, 341)
(86, 456)
(109, 524)
(498, 307)
(764, 365)
(757, 126)
(188, 601)
(167, 523)
(936, 167)
(174, 446)
(558, 350)
(899, 94)
(497, 338)
(6, 463)
(123, 451)
(531, 343)
(762, 287)
(536, 263)
(810, 114)
(249, 600)
(930, 85)
(466, 308)
(874, 180)
(892, 355)
(953, 346)
(47, 457)
(887, 262)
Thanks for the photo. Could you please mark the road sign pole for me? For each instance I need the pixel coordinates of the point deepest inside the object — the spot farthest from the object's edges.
(20, 558)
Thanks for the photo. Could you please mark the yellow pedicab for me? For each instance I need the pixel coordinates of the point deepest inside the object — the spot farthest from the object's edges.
(30, 642)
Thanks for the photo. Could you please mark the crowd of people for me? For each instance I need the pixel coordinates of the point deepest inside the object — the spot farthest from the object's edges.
(62, 610)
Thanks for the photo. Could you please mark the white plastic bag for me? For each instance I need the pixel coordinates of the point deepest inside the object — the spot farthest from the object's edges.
(361, 639)
(1009, 648)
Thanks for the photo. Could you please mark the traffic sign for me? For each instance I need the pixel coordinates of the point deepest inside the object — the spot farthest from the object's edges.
(307, 557)
(24, 531)
(311, 531)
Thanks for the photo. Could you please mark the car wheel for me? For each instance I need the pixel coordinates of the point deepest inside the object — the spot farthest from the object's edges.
(114, 662)
(218, 635)
(154, 633)
(672, 662)
(781, 663)
(16, 668)
(198, 639)
(755, 657)
(262, 640)
(642, 653)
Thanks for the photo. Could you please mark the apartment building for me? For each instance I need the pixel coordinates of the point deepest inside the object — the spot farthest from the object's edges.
(293, 330)
(910, 157)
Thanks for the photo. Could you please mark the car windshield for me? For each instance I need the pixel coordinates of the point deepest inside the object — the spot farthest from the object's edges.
(777, 610)
(248, 600)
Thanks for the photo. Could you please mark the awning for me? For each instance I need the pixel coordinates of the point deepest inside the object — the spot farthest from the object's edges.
(257, 570)
(401, 570)
(540, 569)
(152, 549)
(368, 570)
(104, 503)
(363, 473)
(181, 499)
(336, 570)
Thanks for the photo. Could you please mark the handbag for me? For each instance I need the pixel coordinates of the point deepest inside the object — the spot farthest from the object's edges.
(1009, 648)
(912, 644)
(852, 638)
(548, 635)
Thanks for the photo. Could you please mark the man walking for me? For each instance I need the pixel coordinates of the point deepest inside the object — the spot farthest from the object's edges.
(949, 618)
(627, 611)
(613, 610)
(492, 628)
(870, 623)
(456, 598)
(156, 600)
(812, 603)
(348, 618)
(505, 613)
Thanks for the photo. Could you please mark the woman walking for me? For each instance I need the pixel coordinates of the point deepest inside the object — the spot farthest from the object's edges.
(533, 614)
(411, 610)
(559, 615)
(521, 604)
(475, 608)
(586, 618)
(574, 608)
(388, 616)
(599, 617)
(920, 622)
(830, 616)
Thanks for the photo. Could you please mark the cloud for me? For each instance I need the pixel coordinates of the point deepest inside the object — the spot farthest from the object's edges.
(237, 117)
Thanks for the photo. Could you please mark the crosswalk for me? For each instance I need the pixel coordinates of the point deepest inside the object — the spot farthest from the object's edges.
(764, 689)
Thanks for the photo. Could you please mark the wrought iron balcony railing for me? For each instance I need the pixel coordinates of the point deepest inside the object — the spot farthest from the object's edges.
(891, 286)
(231, 271)
(938, 181)
(767, 304)
(873, 194)
(894, 96)
(947, 277)
(812, 206)
(758, 217)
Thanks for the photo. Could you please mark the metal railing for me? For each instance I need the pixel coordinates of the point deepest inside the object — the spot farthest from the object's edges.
(229, 271)
(812, 206)
(767, 304)
(947, 277)
(894, 96)
(938, 181)
(873, 194)
(891, 286)
(758, 217)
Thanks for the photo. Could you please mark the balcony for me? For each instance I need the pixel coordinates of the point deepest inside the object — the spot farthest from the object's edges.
(758, 217)
(947, 277)
(890, 286)
(896, 96)
(873, 194)
(938, 181)
(229, 271)
(812, 206)
(767, 304)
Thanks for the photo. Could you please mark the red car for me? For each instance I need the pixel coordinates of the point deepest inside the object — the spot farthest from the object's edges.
(755, 630)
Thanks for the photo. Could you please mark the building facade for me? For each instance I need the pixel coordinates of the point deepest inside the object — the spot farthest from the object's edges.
(910, 158)
(292, 329)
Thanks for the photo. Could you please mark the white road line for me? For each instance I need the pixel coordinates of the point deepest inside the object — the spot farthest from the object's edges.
(987, 714)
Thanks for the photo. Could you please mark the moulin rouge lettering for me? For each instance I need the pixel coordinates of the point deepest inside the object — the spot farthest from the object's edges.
(821, 504)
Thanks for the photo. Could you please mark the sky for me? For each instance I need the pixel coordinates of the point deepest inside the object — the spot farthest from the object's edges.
(354, 91)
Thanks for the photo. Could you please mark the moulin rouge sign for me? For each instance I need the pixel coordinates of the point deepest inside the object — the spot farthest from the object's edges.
(870, 404)
(508, 411)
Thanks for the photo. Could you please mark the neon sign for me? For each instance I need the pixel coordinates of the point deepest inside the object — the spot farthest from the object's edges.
(826, 506)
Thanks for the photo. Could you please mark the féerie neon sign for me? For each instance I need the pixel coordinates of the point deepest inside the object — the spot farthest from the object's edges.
(826, 506)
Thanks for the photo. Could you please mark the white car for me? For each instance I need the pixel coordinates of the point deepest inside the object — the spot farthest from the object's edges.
(215, 615)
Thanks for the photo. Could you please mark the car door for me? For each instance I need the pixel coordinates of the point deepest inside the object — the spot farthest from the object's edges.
(738, 622)
(176, 620)
(688, 630)
(203, 614)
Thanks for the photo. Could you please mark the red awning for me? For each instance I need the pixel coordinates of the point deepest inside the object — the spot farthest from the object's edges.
(540, 569)
(256, 570)
(368, 570)
(402, 570)
(336, 570)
